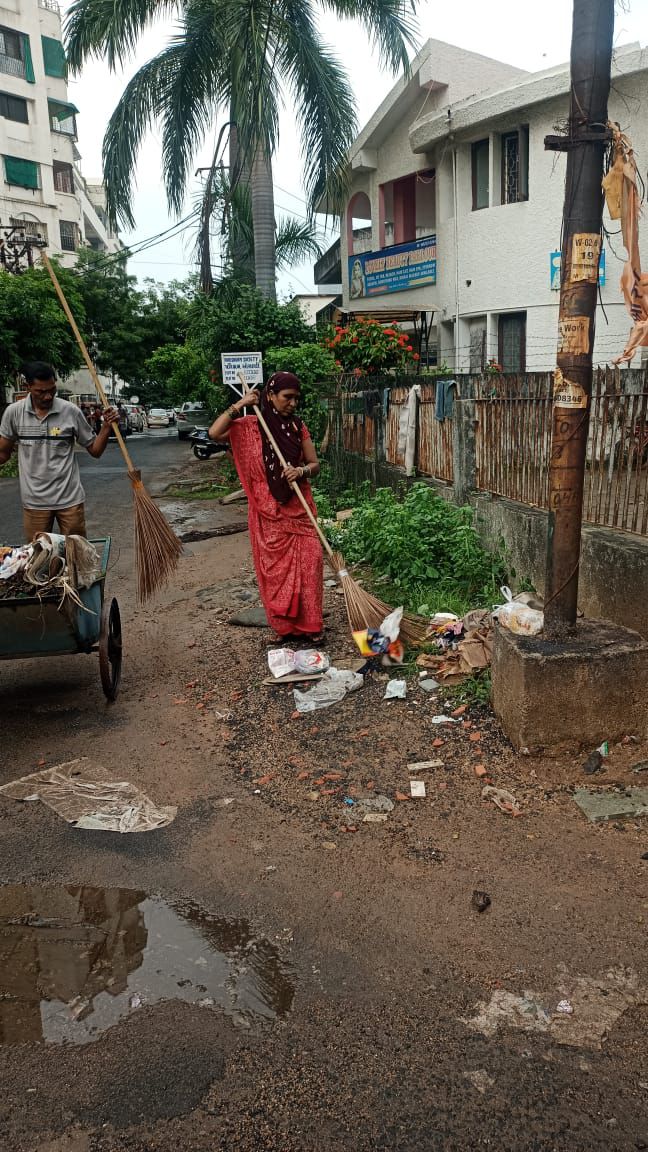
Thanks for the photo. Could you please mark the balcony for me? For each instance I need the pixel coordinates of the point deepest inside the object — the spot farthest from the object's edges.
(12, 65)
(50, 5)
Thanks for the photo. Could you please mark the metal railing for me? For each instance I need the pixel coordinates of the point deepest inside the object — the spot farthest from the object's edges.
(50, 5)
(12, 65)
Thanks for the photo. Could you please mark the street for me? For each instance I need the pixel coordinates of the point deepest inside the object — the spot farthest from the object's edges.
(263, 974)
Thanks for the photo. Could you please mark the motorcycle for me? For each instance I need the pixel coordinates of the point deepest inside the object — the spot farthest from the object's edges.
(203, 447)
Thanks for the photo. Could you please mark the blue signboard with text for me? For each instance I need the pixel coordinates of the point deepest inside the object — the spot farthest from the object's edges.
(394, 269)
(554, 270)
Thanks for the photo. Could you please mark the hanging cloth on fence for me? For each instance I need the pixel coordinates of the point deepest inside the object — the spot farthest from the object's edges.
(444, 399)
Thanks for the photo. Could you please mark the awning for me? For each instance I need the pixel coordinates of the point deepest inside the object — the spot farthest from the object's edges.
(61, 111)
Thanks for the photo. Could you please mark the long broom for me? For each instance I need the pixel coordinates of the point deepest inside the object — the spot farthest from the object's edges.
(363, 609)
(157, 548)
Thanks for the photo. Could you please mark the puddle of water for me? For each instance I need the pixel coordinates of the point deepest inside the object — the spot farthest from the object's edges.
(75, 960)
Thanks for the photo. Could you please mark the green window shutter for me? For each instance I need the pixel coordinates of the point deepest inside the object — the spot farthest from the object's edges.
(60, 111)
(23, 173)
(27, 57)
(54, 57)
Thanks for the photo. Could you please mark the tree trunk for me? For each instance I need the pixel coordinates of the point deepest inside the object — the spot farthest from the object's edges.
(262, 196)
(239, 176)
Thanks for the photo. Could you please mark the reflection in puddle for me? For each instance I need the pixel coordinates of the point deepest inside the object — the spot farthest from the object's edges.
(75, 960)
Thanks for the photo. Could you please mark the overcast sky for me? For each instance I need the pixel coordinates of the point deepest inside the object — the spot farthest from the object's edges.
(531, 36)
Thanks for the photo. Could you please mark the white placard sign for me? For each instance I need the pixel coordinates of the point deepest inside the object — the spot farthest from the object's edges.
(249, 364)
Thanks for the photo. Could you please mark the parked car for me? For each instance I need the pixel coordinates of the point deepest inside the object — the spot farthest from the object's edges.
(158, 418)
(171, 413)
(203, 447)
(135, 416)
(190, 417)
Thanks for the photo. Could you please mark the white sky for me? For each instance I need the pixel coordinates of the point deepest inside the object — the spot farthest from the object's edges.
(531, 36)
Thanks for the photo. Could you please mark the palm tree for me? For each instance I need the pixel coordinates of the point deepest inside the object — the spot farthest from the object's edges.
(239, 57)
(295, 240)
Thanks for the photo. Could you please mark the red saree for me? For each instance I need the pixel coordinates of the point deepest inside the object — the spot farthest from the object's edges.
(285, 547)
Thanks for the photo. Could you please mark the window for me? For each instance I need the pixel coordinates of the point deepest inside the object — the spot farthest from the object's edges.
(69, 235)
(62, 117)
(63, 177)
(480, 158)
(512, 342)
(54, 57)
(515, 165)
(13, 108)
(22, 173)
(31, 227)
(11, 55)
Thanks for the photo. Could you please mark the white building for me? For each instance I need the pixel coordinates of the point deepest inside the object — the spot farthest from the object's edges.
(455, 208)
(311, 304)
(41, 186)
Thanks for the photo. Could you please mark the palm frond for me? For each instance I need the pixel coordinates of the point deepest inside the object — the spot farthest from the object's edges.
(389, 24)
(109, 29)
(324, 104)
(296, 242)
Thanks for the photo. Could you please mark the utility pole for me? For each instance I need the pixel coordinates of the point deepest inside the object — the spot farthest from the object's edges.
(585, 144)
(16, 249)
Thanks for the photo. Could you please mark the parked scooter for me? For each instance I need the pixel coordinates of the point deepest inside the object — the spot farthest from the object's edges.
(203, 447)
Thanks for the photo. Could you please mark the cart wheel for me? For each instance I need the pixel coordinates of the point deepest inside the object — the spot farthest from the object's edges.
(110, 649)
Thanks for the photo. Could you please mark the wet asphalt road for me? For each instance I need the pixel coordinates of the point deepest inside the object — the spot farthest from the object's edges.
(374, 1055)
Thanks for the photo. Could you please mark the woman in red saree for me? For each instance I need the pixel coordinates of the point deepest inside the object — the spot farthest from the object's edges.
(285, 547)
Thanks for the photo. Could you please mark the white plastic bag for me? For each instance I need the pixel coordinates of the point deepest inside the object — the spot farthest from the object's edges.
(390, 626)
(517, 616)
(310, 661)
(333, 687)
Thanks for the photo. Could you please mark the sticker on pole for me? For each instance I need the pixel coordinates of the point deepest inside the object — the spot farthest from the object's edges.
(586, 250)
(567, 393)
(573, 335)
(249, 365)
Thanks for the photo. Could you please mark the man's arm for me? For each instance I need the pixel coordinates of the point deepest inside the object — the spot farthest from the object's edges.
(6, 448)
(97, 446)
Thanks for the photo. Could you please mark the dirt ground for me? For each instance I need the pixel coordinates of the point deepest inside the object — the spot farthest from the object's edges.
(417, 1021)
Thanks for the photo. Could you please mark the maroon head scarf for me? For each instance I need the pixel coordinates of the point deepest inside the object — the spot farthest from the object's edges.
(287, 432)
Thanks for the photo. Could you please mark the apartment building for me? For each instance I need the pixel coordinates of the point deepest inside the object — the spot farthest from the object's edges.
(42, 189)
(455, 208)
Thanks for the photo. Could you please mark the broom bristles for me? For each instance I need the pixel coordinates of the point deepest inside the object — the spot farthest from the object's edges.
(367, 611)
(157, 548)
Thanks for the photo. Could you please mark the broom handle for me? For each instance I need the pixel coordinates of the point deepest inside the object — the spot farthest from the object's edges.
(293, 483)
(84, 352)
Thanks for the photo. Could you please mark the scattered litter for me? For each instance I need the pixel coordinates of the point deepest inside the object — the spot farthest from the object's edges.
(330, 583)
(424, 765)
(349, 801)
(372, 805)
(135, 1001)
(310, 661)
(79, 792)
(374, 818)
(604, 749)
(344, 514)
(417, 789)
(480, 1080)
(480, 900)
(564, 1007)
(594, 763)
(281, 661)
(596, 1002)
(390, 626)
(443, 719)
(225, 803)
(642, 766)
(334, 685)
(429, 684)
(396, 690)
(613, 805)
(517, 615)
(502, 799)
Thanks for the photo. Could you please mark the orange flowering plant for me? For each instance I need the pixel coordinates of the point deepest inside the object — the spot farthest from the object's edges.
(365, 347)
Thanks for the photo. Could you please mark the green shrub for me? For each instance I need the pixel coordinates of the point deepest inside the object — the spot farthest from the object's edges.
(427, 548)
(316, 369)
(11, 467)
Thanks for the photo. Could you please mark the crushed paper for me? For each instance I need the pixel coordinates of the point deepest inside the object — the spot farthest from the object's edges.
(472, 654)
(78, 792)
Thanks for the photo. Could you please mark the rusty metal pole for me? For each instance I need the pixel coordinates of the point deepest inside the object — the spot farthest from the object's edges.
(585, 144)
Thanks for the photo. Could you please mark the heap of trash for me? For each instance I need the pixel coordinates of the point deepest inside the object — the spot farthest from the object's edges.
(53, 565)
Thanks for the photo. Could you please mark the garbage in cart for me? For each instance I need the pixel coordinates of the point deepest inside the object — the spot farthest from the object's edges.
(50, 564)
